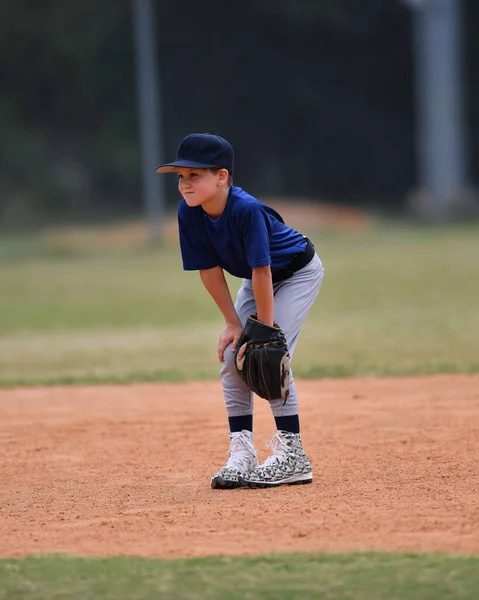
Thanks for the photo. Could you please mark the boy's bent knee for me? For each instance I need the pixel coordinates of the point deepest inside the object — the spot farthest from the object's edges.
(228, 364)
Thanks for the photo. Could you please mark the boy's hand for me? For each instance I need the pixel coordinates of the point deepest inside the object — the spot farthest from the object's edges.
(231, 333)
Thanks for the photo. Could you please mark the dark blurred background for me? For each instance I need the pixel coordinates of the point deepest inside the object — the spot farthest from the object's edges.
(317, 98)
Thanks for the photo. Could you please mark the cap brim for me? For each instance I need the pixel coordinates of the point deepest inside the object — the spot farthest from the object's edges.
(185, 164)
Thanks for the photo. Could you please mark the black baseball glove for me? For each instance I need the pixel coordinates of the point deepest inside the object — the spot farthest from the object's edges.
(265, 364)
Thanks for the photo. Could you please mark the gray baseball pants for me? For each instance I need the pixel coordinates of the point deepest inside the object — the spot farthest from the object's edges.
(293, 300)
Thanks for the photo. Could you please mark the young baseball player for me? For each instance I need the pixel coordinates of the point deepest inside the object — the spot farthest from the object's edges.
(223, 228)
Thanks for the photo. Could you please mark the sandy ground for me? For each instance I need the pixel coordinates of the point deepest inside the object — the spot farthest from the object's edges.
(107, 470)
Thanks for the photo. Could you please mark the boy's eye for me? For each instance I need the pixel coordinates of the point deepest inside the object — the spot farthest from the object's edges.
(192, 175)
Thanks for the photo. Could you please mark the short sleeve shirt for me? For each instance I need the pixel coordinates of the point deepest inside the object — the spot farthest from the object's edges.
(249, 234)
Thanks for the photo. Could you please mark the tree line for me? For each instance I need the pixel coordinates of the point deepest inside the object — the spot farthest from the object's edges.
(316, 96)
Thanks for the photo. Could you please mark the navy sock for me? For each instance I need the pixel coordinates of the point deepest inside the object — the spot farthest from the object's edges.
(240, 423)
(290, 423)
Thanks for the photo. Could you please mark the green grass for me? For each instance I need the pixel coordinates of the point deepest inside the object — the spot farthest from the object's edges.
(395, 300)
(367, 576)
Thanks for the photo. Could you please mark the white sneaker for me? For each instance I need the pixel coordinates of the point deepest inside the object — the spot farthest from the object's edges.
(287, 465)
(242, 460)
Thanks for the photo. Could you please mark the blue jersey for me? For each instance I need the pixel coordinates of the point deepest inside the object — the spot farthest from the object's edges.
(247, 235)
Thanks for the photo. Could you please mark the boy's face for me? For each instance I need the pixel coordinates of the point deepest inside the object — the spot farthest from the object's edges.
(198, 186)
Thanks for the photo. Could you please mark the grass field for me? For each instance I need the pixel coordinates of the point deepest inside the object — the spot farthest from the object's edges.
(395, 300)
(365, 576)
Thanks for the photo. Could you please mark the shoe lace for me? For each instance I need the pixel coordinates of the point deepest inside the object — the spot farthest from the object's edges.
(241, 450)
(280, 450)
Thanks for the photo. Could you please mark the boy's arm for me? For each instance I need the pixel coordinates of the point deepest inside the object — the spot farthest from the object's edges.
(215, 282)
(263, 294)
(216, 285)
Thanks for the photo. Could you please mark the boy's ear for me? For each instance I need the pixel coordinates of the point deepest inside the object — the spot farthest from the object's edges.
(223, 176)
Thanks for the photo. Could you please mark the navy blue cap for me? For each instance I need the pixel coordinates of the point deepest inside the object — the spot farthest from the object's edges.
(202, 151)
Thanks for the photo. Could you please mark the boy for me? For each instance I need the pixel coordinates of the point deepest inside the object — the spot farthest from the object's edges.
(223, 228)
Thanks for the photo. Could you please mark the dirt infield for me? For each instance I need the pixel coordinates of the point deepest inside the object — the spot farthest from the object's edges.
(125, 470)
